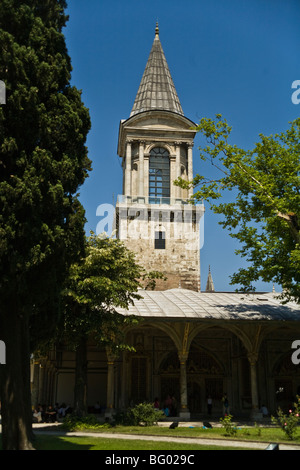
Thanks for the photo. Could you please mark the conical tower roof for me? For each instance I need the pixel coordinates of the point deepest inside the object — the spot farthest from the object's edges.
(157, 90)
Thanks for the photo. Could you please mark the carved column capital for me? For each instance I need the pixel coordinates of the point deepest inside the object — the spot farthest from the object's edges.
(183, 356)
(252, 358)
(111, 356)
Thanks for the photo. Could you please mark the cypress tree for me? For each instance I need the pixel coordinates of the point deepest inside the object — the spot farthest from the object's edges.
(43, 162)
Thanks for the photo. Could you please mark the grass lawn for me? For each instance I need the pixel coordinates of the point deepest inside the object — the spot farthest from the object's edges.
(253, 433)
(95, 443)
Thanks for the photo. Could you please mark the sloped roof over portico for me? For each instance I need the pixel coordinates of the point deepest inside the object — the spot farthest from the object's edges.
(189, 305)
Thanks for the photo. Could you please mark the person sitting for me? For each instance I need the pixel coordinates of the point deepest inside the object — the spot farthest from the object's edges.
(156, 403)
(63, 410)
(50, 415)
(37, 416)
(264, 411)
(41, 409)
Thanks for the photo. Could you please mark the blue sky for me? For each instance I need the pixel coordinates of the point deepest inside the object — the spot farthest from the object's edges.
(238, 58)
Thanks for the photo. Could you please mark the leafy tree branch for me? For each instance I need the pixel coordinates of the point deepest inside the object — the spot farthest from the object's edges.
(263, 212)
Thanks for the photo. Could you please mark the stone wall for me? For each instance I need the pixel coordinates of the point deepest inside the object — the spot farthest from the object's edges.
(179, 257)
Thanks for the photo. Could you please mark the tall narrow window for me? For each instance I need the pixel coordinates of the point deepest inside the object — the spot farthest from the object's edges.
(160, 241)
(159, 174)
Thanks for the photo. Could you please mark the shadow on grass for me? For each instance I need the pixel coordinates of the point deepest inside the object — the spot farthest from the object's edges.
(106, 444)
(54, 442)
(47, 442)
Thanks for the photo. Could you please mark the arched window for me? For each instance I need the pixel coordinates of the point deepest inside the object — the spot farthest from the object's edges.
(159, 173)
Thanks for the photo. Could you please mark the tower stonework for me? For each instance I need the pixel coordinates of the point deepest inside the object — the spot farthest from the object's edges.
(156, 218)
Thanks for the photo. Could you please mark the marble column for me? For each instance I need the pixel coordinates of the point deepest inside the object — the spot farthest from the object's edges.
(41, 385)
(110, 400)
(141, 190)
(190, 167)
(184, 411)
(255, 414)
(178, 169)
(146, 175)
(35, 369)
(173, 188)
(127, 189)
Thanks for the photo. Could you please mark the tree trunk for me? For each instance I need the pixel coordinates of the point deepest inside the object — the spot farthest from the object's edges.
(80, 391)
(15, 381)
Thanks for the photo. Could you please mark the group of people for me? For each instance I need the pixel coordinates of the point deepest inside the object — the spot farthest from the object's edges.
(169, 406)
(50, 414)
(225, 404)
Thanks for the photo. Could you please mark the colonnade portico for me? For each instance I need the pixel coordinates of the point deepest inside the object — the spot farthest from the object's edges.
(174, 351)
(244, 340)
(182, 336)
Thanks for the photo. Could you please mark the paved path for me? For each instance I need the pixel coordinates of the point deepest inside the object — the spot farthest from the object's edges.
(54, 429)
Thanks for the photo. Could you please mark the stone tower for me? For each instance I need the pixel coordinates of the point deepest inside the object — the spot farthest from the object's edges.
(154, 217)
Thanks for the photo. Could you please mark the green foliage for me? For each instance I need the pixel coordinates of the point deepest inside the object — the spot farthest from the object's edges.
(288, 422)
(43, 163)
(257, 429)
(102, 281)
(149, 279)
(228, 425)
(43, 159)
(258, 194)
(105, 279)
(90, 422)
(143, 414)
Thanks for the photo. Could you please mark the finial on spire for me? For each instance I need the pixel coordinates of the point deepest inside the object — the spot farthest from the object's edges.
(157, 29)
